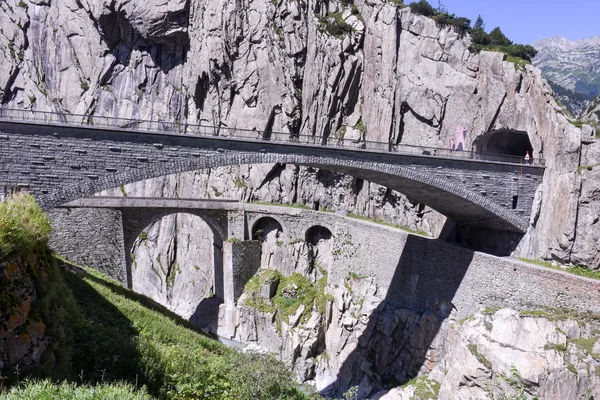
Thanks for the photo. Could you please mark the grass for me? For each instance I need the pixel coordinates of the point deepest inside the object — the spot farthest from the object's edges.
(24, 227)
(382, 222)
(425, 388)
(102, 333)
(559, 314)
(576, 270)
(294, 205)
(46, 390)
(292, 292)
(334, 25)
(585, 344)
(480, 357)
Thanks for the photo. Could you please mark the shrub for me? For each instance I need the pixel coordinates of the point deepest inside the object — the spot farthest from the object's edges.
(24, 227)
(334, 25)
(423, 8)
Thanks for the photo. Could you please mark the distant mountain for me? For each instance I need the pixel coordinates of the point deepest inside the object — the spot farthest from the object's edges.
(573, 69)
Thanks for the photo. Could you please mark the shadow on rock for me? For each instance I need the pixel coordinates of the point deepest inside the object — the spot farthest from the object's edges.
(390, 345)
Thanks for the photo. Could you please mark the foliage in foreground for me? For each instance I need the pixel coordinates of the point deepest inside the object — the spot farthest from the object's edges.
(46, 390)
(112, 334)
(24, 227)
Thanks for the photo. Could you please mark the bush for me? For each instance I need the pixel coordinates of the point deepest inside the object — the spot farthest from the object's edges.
(24, 227)
(423, 8)
(334, 25)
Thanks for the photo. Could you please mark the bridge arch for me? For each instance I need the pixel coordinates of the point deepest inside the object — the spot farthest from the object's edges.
(135, 223)
(264, 226)
(316, 233)
(447, 197)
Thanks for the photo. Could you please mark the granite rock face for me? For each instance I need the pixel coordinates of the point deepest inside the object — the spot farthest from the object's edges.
(23, 339)
(386, 75)
(371, 71)
(507, 353)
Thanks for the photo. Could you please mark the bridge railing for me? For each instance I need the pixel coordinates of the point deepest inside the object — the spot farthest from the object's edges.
(252, 134)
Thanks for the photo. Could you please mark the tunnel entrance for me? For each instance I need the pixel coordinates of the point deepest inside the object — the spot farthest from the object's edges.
(504, 141)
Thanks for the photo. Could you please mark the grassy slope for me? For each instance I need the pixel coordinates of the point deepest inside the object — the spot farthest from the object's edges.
(102, 332)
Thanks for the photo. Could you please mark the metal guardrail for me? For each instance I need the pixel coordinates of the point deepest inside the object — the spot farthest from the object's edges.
(252, 134)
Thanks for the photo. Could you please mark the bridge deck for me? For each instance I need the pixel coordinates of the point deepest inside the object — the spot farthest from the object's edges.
(227, 133)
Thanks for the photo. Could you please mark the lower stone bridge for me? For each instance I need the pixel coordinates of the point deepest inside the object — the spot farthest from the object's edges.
(60, 162)
(414, 272)
(101, 232)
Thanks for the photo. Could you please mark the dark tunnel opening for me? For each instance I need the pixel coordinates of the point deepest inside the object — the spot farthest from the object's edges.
(505, 141)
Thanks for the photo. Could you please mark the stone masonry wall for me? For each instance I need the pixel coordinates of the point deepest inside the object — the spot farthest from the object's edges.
(65, 163)
(410, 271)
(91, 237)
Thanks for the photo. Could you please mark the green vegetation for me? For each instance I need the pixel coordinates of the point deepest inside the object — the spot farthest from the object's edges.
(559, 314)
(111, 334)
(22, 4)
(106, 341)
(585, 344)
(425, 388)
(576, 270)
(360, 126)
(240, 184)
(558, 347)
(24, 227)
(292, 292)
(84, 85)
(382, 222)
(490, 310)
(334, 25)
(47, 390)
(480, 357)
(217, 192)
(493, 41)
(441, 16)
(582, 168)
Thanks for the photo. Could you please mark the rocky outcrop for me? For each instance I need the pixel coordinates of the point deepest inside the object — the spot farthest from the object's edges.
(592, 113)
(23, 339)
(532, 354)
(360, 342)
(369, 71)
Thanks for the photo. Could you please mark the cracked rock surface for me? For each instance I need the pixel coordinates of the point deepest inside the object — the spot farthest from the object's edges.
(279, 65)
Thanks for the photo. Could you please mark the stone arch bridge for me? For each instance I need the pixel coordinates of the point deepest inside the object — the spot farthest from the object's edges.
(58, 161)
(100, 232)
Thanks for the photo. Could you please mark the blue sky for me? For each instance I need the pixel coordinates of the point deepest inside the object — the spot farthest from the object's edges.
(525, 21)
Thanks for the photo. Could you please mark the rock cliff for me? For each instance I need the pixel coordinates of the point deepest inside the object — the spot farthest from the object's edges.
(370, 70)
(23, 336)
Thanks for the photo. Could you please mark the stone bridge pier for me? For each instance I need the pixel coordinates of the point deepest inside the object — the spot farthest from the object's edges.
(103, 238)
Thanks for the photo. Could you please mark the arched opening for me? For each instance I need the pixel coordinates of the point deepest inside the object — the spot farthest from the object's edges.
(506, 142)
(266, 229)
(316, 234)
(320, 252)
(177, 260)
